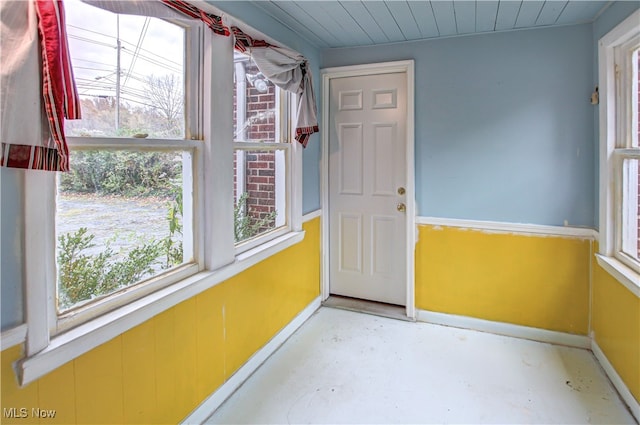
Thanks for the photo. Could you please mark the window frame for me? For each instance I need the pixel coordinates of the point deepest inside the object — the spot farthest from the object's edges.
(193, 39)
(285, 140)
(48, 347)
(616, 146)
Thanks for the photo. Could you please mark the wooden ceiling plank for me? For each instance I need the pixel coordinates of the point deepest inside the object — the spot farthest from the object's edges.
(348, 24)
(550, 12)
(423, 14)
(405, 19)
(465, 14)
(299, 14)
(486, 15)
(529, 12)
(316, 10)
(507, 14)
(272, 9)
(445, 17)
(383, 17)
(580, 12)
(361, 15)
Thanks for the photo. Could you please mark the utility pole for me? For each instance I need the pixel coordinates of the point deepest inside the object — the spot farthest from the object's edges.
(118, 48)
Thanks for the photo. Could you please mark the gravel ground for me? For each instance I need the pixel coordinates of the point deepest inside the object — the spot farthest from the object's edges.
(125, 222)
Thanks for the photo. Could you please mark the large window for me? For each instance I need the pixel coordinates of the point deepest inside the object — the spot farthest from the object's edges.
(619, 56)
(180, 178)
(125, 211)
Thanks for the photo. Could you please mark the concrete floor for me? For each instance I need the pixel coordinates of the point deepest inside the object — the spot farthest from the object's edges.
(348, 367)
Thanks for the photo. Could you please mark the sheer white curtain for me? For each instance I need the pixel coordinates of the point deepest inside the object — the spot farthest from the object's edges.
(288, 70)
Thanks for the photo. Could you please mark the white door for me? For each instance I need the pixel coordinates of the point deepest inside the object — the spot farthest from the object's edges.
(367, 172)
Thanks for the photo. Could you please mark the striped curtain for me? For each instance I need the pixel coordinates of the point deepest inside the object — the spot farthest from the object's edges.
(33, 48)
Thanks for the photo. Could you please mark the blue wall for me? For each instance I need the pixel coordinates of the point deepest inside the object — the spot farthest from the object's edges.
(11, 200)
(504, 127)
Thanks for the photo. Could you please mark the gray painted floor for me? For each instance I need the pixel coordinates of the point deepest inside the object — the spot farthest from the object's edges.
(348, 367)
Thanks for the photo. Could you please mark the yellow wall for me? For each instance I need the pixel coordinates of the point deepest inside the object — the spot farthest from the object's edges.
(160, 371)
(537, 281)
(616, 326)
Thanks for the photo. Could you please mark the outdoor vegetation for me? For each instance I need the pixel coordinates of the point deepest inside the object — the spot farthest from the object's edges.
(88, 269)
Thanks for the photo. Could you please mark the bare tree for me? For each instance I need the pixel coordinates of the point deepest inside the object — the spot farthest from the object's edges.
(166, 95)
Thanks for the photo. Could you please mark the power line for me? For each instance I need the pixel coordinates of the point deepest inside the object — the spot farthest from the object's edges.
(145, 27)
(89, 40)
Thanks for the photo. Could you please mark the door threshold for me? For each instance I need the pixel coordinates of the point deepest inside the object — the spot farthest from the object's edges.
(375, 308)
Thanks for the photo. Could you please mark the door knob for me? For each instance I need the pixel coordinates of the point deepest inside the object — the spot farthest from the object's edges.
(401, 191)
(401, 207)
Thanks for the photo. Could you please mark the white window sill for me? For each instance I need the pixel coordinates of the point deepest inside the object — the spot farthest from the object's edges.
(629, 278)
(77, 341)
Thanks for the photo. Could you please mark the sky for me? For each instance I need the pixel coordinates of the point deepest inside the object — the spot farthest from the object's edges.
(157, 50)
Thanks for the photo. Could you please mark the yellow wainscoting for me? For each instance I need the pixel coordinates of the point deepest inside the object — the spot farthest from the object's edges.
(530, 280)
(616, 326)
(159, 371)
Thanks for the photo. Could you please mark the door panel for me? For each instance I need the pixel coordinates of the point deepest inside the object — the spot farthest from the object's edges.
(367, 151)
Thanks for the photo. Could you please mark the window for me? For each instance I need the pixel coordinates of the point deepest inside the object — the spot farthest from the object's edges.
(125, 211)
(146, 217)
(261, 156)
(619, 56)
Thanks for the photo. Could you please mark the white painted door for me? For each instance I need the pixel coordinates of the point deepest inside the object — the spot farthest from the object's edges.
(367, 172)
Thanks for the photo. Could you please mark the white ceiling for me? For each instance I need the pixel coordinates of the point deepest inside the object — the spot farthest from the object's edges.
(331, 23)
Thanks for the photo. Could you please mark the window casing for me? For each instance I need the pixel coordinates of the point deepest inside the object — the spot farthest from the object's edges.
(211, 253)
(619, 152)
(262, 156)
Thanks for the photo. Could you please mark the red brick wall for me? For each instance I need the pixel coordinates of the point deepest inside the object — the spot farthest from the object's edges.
(259, 165)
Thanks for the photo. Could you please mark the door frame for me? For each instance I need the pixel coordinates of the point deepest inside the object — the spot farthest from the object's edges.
(406, 67)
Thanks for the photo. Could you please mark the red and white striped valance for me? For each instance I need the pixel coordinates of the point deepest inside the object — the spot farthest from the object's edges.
(34, 48)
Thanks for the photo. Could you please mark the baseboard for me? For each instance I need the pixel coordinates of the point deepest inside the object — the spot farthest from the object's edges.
(211, 403)
(616, 380)
(507, 329)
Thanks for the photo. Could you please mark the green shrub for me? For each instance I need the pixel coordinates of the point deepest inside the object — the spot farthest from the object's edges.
(123, 173)
(83, 276)
(244, 225)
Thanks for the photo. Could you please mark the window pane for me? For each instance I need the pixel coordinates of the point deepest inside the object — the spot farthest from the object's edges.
(635, 99)
(631, 208)
(129, 72)
(255, 103)
(118, 221)
(259, 192)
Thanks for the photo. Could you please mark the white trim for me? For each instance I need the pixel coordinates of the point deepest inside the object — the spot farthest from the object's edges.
(13, 336)
(507, 329)
(311, 215)
(613, 147)
(40, 269)
(79, 340)
(502, 227)
(406, 67)
(623, 274)
(616, 380)
(218, 152)
(208, 406)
